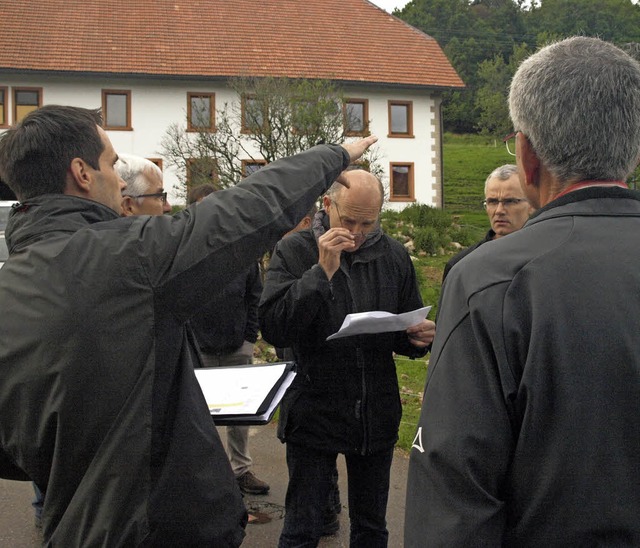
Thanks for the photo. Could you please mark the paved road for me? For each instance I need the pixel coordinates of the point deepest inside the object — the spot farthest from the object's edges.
(16, 515)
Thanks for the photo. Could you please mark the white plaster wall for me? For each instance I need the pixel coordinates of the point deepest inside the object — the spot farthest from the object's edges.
(155, 104)
(394, 149)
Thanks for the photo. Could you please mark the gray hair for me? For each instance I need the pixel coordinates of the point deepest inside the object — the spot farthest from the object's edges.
(133, 169)
(502, 173)
(578, 103)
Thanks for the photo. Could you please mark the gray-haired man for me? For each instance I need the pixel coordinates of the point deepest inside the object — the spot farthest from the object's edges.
(529, 429)
(507, 208)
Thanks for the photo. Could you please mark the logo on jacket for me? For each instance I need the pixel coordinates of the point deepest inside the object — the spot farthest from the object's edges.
(417, 441)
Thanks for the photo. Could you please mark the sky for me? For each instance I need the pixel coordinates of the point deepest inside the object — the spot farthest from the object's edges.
(390, 5)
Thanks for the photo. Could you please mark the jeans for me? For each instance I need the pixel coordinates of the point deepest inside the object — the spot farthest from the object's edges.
(309, 486)
(237, 436)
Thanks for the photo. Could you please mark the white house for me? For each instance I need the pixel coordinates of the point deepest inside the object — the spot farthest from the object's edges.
(146, 61)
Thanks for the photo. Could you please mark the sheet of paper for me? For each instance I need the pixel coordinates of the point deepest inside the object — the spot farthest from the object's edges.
(237, 390)
(378, 321)
(278, 397)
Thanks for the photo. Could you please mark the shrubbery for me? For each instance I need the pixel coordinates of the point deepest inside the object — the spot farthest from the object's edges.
(430, 229)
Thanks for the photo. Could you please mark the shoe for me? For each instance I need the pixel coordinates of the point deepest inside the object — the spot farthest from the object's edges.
(251, 485)
(331, 525)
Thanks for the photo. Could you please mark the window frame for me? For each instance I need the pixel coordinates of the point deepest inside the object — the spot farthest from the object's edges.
(244, 128)
(15, 91)
(409, 133)
(157, 161)
(105, 112)
(212, 111)
(245, 163)
(365, 116)
(5, 106)
(411, 195)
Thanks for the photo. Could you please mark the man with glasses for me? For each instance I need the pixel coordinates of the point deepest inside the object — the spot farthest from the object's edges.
(144, 193)
(506, 205)
(529, 432)
(345, 397)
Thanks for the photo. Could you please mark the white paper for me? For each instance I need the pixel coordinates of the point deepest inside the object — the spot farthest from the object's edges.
(238, 390)
(378, 321)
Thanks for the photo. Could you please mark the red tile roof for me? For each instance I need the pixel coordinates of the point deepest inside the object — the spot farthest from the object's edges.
(347, 40)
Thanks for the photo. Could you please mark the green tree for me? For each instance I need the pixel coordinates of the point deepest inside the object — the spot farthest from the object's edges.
(493, 93)
(617, 21)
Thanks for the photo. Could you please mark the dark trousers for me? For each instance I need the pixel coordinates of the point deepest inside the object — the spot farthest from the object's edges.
(309, 486)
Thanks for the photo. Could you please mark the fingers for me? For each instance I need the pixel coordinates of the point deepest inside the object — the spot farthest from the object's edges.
(343, 180)
(357, 148)
(330, 246)
(336, 240)
(422, 335)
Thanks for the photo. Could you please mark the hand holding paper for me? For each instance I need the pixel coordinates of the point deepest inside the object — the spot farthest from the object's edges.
(378, 321)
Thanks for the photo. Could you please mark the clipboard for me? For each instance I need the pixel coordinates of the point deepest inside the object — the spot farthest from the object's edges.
(245, 394)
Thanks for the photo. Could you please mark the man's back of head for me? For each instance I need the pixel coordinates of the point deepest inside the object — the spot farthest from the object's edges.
(36, 154)
(578, 103)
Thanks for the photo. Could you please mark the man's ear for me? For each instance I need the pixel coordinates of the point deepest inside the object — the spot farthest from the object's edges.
(305, 223)
(129, 206)
(528, 159)
(326, 201)
(79, 178)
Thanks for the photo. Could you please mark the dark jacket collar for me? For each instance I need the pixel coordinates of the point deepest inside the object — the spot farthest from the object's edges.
(35, 218)
(583, 195)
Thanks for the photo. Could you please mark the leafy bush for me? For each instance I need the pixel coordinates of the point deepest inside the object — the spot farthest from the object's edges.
(429, 239)
(464, 235)
(421, 215)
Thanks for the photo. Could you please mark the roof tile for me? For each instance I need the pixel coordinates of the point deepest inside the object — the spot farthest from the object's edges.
(347, 40)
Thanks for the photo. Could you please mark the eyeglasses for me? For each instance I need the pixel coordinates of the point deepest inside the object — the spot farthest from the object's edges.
(506, 141)
(359, 236)
(161, 195)
(492, 203)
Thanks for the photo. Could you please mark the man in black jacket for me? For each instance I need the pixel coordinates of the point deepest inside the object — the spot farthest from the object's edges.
(345, 397)
(99, 402)
(529, 429)
(506, 205)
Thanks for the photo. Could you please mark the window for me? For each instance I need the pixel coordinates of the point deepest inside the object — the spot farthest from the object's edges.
(201, 111)
(251, 166)
(25, 100)
(402, 189)
(116, 109)
(400, 119)
(3, 107)
(252, 114)
(356, 116)
(157, 161)
(201, 170)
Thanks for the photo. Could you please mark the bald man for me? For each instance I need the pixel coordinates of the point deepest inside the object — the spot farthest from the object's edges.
(344, 398)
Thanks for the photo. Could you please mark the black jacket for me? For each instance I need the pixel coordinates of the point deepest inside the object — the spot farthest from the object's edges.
(529, 429)
(99, 403)
(345, 397)
(222, 325)
(490, 235)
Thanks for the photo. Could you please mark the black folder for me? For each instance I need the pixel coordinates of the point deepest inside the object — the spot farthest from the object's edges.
(245, 394)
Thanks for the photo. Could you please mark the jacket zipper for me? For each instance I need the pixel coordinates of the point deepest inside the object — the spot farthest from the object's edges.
(363, 402)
